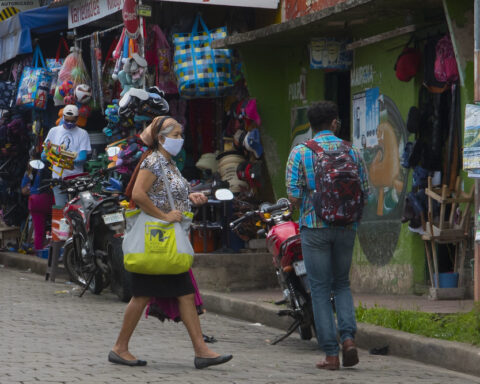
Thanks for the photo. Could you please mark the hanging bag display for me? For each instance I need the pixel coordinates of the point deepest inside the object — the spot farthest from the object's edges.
(34, 84)
(7, 92)
(55, 64)
(110, 87)
(156, 247)
(201, 70)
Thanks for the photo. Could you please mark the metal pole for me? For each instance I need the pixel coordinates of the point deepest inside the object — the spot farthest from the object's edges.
(476, 266)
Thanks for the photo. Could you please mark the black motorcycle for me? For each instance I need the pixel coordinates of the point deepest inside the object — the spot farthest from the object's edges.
(93, 255)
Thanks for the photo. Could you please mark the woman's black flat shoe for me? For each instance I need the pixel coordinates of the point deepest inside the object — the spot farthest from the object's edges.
(204, 362)
(116, 359)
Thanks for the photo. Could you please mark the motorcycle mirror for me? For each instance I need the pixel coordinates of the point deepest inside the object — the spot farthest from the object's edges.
(223, 194)
(113, 151)
(37, 164)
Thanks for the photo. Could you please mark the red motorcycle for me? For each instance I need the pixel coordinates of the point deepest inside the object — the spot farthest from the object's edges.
(283, 242)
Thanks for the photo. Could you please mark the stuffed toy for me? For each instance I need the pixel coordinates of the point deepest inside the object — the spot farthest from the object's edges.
(133, 73)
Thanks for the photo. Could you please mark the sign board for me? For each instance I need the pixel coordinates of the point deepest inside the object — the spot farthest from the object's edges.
(82, 12)
(271, 4)
(8, 8)
(328, 53)
(144, 10)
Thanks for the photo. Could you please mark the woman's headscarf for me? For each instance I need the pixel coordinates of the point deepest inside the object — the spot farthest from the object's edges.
(157, 125)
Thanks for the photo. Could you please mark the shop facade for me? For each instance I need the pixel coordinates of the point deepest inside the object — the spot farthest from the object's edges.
(389, 255)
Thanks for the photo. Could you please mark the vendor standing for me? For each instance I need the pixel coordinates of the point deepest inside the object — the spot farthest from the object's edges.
(75, 139)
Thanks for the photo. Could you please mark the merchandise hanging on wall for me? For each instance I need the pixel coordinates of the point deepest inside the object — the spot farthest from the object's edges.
(201, 70)
(34, 84)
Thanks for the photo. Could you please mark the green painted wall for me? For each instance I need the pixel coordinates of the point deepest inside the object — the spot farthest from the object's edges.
(269, 72)
(382, 57)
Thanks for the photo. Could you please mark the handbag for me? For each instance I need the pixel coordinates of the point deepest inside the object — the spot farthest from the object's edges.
(201, 70)
(34, 84)
(156, 247)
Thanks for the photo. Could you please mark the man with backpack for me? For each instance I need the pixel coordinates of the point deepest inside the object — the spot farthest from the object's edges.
(327, 179)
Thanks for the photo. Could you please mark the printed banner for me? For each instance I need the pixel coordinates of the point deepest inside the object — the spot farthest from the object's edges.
(471, 151)
(82, 12)
(366, 118)
(328, 53)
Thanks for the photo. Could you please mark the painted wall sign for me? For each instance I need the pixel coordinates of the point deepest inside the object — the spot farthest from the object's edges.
(328, 53)
(387, 180)
(82, 12)
(297, 8)
(298, 90)
(271, 4)
(362, 75)
(300, 126)
(8, 8)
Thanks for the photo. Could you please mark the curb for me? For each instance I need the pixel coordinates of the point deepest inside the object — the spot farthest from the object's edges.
(24, 262)
(446, 354)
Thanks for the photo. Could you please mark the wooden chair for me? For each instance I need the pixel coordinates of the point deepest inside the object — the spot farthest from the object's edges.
(439, 230)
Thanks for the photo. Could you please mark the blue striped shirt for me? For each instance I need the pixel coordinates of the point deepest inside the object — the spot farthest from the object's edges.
(300, 176)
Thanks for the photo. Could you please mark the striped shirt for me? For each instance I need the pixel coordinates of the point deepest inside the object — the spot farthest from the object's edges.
(300, 176)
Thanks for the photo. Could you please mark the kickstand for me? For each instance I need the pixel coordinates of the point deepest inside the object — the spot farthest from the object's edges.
(87, 284)
(290, 330)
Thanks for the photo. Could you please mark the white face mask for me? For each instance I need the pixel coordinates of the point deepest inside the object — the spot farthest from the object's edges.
(173, 146)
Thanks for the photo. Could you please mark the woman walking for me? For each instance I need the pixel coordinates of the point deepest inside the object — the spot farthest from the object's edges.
(164, 136)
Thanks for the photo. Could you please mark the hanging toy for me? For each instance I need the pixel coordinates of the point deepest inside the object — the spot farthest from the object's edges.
(133, 73)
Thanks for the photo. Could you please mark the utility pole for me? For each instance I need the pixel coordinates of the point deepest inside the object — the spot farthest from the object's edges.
(476, 272)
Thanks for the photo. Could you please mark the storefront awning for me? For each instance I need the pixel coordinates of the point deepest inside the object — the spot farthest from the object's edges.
(15, 32)
(270, 4)
(337, 21)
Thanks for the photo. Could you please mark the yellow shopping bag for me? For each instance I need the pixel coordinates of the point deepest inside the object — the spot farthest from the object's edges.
(155, 247)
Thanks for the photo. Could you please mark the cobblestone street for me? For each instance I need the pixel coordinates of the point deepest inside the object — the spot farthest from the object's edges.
(48, 335)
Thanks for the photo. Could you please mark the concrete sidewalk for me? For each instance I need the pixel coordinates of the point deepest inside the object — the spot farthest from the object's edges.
(258, 307)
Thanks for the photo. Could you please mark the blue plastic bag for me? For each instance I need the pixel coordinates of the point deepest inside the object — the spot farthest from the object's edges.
(202, 71)
(34, 84)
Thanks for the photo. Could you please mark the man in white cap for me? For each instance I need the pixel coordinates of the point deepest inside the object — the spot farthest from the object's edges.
(75, 139)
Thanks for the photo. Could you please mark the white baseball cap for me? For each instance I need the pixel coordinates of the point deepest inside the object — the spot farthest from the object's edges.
(70, 110)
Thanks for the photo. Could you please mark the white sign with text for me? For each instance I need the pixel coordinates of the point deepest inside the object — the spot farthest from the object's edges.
(82, 12)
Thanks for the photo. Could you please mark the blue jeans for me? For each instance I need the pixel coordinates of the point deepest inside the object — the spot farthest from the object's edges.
(327, 253)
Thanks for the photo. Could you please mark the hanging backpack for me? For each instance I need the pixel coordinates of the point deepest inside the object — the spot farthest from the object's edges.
(338, 195)
(446, 69)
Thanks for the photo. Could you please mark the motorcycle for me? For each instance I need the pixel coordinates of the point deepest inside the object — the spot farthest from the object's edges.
(283, 243)
(93, 255)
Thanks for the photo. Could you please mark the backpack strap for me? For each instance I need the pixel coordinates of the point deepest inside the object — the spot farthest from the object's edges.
(314, 146)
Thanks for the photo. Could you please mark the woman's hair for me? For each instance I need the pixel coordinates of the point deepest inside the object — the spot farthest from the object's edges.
(159, 128)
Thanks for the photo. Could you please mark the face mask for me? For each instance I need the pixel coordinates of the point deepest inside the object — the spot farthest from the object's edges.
(173, 146)
(69, 124)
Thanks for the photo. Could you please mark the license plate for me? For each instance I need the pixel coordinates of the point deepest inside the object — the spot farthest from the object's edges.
(299, 268)
(113, 218)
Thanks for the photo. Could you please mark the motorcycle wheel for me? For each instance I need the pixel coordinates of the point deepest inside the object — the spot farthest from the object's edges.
(305, 332)
(96, 285)
(120, 279)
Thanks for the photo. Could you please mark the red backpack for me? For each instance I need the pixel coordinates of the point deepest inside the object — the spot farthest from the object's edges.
(338, 196)
(445, 63)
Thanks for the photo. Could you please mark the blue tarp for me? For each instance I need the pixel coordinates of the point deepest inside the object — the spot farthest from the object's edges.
(15, 32)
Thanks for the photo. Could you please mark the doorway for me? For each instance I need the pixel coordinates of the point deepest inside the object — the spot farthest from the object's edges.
(337, 89)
